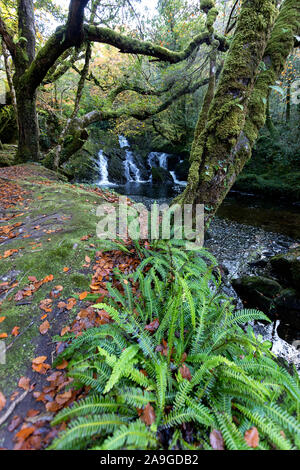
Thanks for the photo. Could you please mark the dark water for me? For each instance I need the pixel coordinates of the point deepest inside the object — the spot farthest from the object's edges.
(269, 214)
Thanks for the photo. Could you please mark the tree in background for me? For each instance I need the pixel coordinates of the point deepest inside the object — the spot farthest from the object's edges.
(260, 36)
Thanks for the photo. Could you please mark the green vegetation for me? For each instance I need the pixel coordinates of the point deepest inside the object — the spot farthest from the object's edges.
(178, 352)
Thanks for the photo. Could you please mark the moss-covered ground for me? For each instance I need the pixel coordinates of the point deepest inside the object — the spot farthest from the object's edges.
(57, 230)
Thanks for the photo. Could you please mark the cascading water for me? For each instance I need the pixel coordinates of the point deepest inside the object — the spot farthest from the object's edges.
(176, 181)
(103, 169)
(158, 160)
(132, 173)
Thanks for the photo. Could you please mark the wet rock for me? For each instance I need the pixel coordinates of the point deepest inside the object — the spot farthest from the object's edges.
(115, 158)
(287, 306)
(286, 267)
(182, 170)
(257, 291)
(160, 175)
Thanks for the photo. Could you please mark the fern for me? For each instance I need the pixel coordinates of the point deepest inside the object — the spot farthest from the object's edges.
(232, 381)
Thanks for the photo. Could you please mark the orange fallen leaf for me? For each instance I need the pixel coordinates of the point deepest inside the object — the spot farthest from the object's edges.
(25, 433)
(24, 383)
(65, 330)
(66, 270)
(252, 437)
(39, 360)
(83, 295)
(9, 253)
(15, 331)
(2, 401)
(63, 365)
(3, 335)
(2, 319)
(44, 327)
(87, 259)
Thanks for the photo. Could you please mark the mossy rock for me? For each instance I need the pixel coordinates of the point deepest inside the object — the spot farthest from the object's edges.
(287, 267)
(160, 175)
(257, 291)
(287, 306)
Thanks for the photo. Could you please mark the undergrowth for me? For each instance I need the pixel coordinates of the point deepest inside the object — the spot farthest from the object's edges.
(179, 348)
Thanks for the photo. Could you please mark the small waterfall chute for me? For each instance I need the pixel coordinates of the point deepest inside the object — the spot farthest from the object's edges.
(103, 170)
(176, 181)
(132, 172)
(158, 159)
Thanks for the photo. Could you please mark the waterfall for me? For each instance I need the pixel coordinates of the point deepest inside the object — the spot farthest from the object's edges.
(132, 173)
(123, 142)
(176, 181)
(158, 159)
(103, 169)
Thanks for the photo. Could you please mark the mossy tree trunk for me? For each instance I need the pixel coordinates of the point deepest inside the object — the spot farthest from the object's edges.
(214, 165)
(238, 110)
(28, 144)
(28, 148)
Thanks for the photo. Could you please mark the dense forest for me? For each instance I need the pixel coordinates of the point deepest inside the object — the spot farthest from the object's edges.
(171, 111)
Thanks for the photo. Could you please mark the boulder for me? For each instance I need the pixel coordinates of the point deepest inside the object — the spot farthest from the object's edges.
(286, 267)
(160, 175)
(257, 291)
(287, 306)
(182, 170)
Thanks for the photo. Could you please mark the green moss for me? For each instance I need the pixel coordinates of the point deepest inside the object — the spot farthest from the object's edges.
(71, 210)
(207, 5)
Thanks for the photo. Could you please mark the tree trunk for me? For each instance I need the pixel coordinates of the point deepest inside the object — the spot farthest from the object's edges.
(212, 171)
(28, 146)
(238, 110)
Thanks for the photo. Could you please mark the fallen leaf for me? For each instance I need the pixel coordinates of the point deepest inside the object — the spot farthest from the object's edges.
(148, 416)
(25, 433)
(87, 259)
(185, 372)
(252, 437)
(152, 326)
(63, 365)
(65, 330)
(216, 440)
(15, 422)
(15, 331)
(46, 305)
(44, 327)
(3, 335)
(66, 269)
(24, 383)
(9, 253)
(2, 319)
(2, 401)
(83, 295)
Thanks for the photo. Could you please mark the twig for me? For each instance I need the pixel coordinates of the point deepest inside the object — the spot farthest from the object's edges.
(12, 407)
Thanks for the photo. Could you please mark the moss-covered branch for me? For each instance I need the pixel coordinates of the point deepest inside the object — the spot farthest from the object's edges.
(127, 44)
(7, 38)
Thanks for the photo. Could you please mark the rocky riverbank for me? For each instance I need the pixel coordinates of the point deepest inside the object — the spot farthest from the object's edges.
(261, 270)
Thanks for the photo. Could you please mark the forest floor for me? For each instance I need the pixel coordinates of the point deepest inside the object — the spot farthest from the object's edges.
(48, 263)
